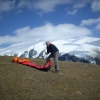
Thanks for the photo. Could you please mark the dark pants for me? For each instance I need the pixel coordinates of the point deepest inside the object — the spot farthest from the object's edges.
(56, 55)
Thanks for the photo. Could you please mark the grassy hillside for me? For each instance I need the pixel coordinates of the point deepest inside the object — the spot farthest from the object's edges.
(75, 81)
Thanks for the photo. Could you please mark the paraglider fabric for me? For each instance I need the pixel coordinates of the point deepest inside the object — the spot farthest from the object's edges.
(26, 62)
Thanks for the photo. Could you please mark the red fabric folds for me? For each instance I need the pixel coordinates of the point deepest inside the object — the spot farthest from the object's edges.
(46, 67)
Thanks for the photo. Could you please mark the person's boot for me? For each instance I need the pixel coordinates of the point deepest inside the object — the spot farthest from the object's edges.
(56, 71)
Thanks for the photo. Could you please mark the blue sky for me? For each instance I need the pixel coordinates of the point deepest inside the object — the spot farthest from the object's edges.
(27, 20)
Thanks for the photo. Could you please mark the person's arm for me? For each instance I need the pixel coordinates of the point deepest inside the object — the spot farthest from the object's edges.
(47, 51)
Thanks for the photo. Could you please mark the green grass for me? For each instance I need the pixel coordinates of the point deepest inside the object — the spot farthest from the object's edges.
(75, 81)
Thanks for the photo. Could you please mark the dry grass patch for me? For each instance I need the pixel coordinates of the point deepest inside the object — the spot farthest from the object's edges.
(75, 81)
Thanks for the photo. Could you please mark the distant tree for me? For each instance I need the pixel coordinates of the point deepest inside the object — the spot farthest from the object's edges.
(95, 56)
(73, 58)
(84, 60)
(6, 55)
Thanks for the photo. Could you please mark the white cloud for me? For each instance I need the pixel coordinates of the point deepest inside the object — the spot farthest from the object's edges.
(90, 21)
(25, 3)
(95, 5)
(95, 22)
(6, 5)
(43, 5)
(6, 39)
(79, 5)
(51, 31)
(98, 27)
(48, 5)
(47, 31)
(72, 12)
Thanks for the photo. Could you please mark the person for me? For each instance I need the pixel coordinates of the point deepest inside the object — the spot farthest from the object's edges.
(51, 48)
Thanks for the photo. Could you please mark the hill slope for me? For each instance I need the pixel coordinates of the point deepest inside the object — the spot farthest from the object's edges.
(75, 81)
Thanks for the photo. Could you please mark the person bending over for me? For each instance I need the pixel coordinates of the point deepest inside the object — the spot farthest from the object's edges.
(54, 53)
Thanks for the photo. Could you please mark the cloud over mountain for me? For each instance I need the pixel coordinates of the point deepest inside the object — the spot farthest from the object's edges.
(47, 31)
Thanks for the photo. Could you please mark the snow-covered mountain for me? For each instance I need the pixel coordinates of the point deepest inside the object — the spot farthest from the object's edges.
(78, 46)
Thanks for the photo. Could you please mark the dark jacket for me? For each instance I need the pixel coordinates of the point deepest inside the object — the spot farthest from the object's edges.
(52, 49)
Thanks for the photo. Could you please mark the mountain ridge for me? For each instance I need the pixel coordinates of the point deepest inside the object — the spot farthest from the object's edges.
(78, 46)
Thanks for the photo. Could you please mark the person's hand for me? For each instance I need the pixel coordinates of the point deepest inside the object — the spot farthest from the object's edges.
(46, 53)
(50, 58)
